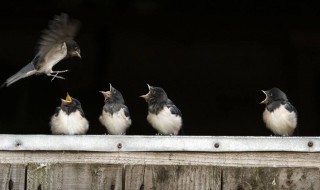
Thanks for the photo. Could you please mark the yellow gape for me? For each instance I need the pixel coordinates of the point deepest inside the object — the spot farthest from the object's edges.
(68, 98)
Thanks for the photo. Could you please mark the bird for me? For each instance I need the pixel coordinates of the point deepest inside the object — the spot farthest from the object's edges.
(69, 118)
(163, 114)
(115, 116)
(55, 44)
(280, 116)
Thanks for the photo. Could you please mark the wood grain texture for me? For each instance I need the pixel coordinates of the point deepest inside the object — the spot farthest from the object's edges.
(12, 177)
(74, 176)
(243, 159)
(182, 177)
(134, 177)
(146, 177)
(271, 178)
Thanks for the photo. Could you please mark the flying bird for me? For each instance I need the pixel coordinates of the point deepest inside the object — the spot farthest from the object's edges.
(115, 114)
(55, 44)
(163, 115)
(279, 115)
(69, 118)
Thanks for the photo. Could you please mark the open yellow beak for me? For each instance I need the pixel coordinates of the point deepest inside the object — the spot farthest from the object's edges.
(67, 100)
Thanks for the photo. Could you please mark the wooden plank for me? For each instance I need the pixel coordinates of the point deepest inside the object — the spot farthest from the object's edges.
(134, 177)
(182, 177)
(271, 178)
(127, 143)
(249, 159)
(74, 176)
(12, 177)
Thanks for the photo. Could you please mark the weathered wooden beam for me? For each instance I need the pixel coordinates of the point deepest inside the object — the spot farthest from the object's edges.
(12, 176)
(182, 177)
(74, 176)
(249, 159)
(112, 143)
(271, 178)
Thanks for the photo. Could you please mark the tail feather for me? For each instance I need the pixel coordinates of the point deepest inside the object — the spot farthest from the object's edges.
(26, 71)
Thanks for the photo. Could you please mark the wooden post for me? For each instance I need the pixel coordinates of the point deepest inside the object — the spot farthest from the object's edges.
(12, 176)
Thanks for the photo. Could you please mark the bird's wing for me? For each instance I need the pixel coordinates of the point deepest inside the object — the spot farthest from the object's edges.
(57, 111)
(292, 117)
(126, 111)
(290, 107)
(173, 108)
(81, 111)
(61, 29)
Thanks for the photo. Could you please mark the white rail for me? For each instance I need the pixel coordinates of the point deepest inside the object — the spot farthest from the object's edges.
(110, 143)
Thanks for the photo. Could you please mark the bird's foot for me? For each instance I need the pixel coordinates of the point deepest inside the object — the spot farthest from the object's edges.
(56, 74)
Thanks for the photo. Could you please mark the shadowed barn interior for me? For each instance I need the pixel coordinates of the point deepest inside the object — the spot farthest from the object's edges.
(212, 58)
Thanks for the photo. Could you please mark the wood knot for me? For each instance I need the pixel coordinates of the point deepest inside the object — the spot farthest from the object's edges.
(288, 182)
(10, 186)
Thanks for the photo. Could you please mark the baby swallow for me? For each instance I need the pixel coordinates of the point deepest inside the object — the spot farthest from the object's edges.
(279, 115)
(163, 115)
(69, 118)
(55, 44)
(115, 114)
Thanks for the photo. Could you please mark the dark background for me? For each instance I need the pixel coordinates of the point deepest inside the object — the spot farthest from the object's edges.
(211, 57)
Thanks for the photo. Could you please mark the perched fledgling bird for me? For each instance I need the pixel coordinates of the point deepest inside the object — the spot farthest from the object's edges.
(69, 118)
(163, 115)
(115, 114)
(279, 115)
(55, 44)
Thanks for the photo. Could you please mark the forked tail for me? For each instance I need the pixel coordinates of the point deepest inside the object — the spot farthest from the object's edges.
(26, 71)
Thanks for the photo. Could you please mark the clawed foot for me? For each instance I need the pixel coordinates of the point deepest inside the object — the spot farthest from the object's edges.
(56, 74)
(160, 134)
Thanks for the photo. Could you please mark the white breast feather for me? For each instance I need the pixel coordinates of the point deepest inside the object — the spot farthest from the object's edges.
(53, 57)
(117, 123)
(280, 121)
(73, 124)
(165, 122)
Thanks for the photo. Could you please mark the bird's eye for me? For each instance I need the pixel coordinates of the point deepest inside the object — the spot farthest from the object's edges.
(270, 94)
(153, 92)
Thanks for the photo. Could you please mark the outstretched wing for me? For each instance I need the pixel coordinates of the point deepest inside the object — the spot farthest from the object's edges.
(61, 29)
